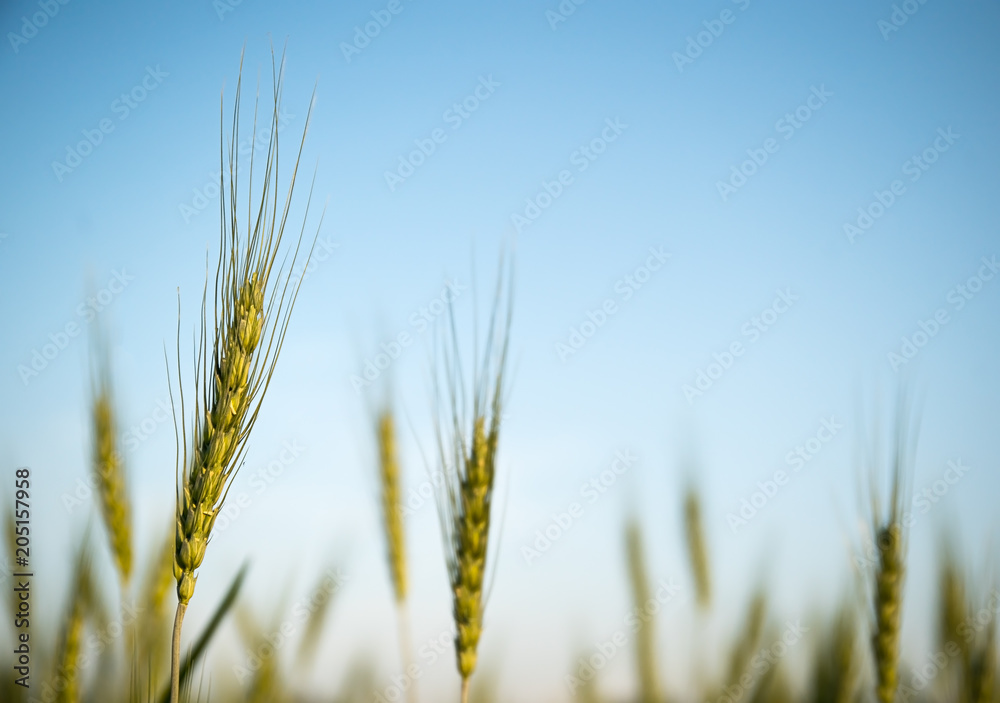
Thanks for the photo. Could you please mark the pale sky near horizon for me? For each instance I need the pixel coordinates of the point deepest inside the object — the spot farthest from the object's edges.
(737, 229)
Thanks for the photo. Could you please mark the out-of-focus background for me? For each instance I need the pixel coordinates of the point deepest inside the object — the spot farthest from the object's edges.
(813, 183)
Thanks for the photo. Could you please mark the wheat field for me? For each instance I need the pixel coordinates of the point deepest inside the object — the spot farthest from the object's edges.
(534, 354)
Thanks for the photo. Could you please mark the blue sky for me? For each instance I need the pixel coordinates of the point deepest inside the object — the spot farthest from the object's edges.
(596, 138)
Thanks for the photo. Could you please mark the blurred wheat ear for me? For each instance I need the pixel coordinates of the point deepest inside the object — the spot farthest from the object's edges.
(467, 446)
(697, 550)
(392, 514)
(65, 677)
(392, 521)
(889, 531)
(952, 603)
(953, 609)
(329, 585)
(236, 354)
(981, 667)
(267, 684)
(774, 687)
(836, 668)
(585, 689)
(979, 647)
(746, 644)
(153, 628)
(649, 684)
(108, 464)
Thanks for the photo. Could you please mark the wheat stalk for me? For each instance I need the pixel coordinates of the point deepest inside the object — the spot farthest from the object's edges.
(468, 454)
(235, 358)
(200, 646)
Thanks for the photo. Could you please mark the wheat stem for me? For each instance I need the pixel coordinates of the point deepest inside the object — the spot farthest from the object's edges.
(403, 620)
(175, 654)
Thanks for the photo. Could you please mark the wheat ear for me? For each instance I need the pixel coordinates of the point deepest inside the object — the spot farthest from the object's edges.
(981, 668)
(774, 687)
(67, 661)
(585, 690)
(69, 653)
(835, 674)
(890, 537)
(888, 601)
(392, 514)
(109, 467)
(649, 684)
(979, 654)
(746, 645)
(468, 452)
(235, 358)
(697, 550)
(392, 520)
(328, 585)
(953, 608)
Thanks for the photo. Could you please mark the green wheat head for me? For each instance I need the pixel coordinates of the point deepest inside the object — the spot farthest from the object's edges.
(237, 352)
(468, 454)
